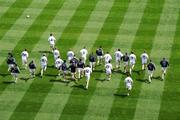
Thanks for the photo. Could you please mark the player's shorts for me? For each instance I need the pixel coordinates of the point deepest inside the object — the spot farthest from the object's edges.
(126, 63)
(52, 45)
(87, 77)
(164, 69)
(69, 58)
(56, 56)
(108, 72)
(118, 59)
(92, 63)
(14, 74)
(32, 70)
(129, 87)
(150, 72)
(24, 60)
(99, 57)
(10, 65)
(43, 66)
(132, 63)
(144, 61)
(79, 70)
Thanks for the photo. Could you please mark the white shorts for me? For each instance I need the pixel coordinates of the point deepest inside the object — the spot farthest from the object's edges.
(118, 60)
(44, 66)
(24, 60)
(32, 70)
(69, 58)
(10, 65)
(83, 58)
(92, 63)
(52, 45)
(129, 87)
(79, 70)
(125, 63)
(87, 77)
(14, 74)
(99, 57)
(164, 69)
(132, 63)
(144, 62)
(108, 72)
(150, 72)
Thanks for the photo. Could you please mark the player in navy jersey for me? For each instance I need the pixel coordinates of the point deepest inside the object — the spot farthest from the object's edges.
(151, 68)
(164, 64)
(80, 67)
(64, 69)
(10, 61)
(99, 53)
(73, 70)
(125, 59)
(92, 61)
(15, 72)
(32, 68)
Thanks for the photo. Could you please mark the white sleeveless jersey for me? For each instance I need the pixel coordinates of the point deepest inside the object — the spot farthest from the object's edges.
(108, 67)
(52, 40)
(87, 70)
(44, 60)
(118, 55)
(132, 58)
(56, 53)
(70, 54)
(107, 57)
(144, 56)
(83, 52)
(24, 55)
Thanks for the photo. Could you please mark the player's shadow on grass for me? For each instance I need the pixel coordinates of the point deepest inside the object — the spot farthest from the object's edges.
(79, 86)
(120, 95)
(142, 80)
(4, 74)
(119, 71)
(24, 79)
(138, 71)
(157, 78)
(8, 82)
(98, 71)
(100, 79)
(61, 81)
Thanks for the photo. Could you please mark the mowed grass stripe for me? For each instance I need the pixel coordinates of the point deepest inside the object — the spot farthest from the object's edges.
(39, 88)
(11, 39)
(149, 101)
(21, 88)
(124, 107)
(29, 44)
(170, 97)
(4, 6)
(16, 9)
(98, 105)
(78, 99)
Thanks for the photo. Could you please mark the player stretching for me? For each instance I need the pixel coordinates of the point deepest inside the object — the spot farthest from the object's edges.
(43, 64)
(125, 60)
(118, 55)
(52, 41)
(25, 56)
(151, 68)
(80, 67)
(92, 61)
(128, 83)
(58, 64)
(144, 60)
(99, 53)
(164, 64)
(132, 61)
(107, 57)
(32, 68)
(87, 72)
(108, 68)
(14, 72)
(56, 53)
(84, 53)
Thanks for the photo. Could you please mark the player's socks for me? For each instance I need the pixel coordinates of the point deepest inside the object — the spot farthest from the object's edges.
(42, 72)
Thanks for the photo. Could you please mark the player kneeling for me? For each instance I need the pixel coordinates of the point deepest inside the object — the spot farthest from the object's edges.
(32, 68)
(58, 64)
(15, 72)
(25, 56)
(108, 68)
(87, 72)
(128, 83)
(151, 68)
(164, 64)
(43, 64)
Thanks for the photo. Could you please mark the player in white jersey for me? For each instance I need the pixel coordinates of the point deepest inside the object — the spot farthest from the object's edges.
(87, 72)
(56, 53)
(24, 57)
(128, 83)
(107, 57)
(44, 62)
(70, 54)
(132, 59)
(108, 68)
(52, 41)
(118, 55)
(58, 64)
(144, 59)
(84, 53)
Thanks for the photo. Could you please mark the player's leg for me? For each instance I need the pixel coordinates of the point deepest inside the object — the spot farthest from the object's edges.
(98, 60)
(79, 73)
(87, 81)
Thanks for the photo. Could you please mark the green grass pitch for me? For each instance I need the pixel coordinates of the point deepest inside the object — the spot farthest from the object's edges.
(132, 25)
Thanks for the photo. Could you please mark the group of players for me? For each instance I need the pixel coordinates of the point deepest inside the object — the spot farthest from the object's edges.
(78, 67)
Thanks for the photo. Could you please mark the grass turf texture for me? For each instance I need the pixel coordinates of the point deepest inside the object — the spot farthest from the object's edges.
(92, 24)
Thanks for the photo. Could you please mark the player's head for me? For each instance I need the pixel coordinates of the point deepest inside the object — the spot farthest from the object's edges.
(100, 46)
(109, 61)
(107, 52)
(128, 74)
(84, 47)
(80, 59)
(144, 51)
(44, 54)
(51, 34)
(58, 57)
(69, 49)
(164, 58)
(132, 52)
(119, 49)
(126, 53)
(150, 60)
(64, 61)
(25, 49)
